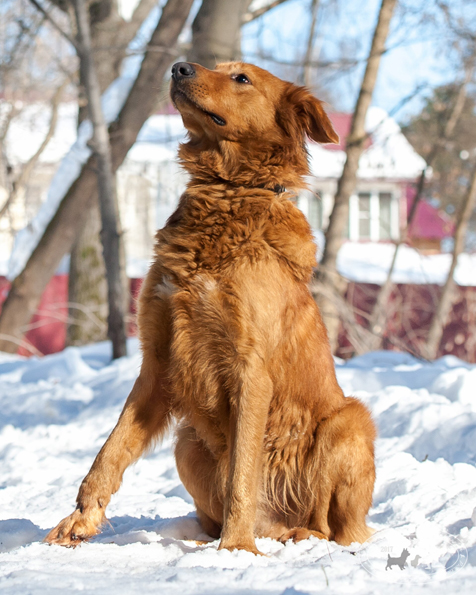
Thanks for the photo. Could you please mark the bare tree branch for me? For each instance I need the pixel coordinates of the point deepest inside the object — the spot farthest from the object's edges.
(25, 173)
(255, 14)
(53, 22)
(139, 15)
(20, 343)
(306, 74)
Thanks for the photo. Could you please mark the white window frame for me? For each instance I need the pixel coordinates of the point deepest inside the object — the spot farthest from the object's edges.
(354, 234)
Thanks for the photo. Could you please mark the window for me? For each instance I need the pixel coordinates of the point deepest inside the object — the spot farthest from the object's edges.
(373, 216)
(385, 213)
(364, 216)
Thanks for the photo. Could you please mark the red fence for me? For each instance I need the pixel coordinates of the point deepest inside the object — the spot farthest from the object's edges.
(410, 309)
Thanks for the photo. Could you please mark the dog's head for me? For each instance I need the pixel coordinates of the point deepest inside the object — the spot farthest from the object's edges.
(245, 125)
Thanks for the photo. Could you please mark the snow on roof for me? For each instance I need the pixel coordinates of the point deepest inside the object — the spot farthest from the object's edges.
(157, 141)
(388, 155)
(367, 262)
(126, 8)
(257, 4)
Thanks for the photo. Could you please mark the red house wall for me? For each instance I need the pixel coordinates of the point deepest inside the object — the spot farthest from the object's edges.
(47, 332)
(409, 313)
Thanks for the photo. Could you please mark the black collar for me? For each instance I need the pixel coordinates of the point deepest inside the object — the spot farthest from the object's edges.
(277, 188)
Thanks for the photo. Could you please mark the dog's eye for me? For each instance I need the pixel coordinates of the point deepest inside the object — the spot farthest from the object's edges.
(242, 78)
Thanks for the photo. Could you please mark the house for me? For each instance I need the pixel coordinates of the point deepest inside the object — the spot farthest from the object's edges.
(388, 170)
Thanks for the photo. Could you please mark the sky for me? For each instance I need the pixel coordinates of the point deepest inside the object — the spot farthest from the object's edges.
(419, 58)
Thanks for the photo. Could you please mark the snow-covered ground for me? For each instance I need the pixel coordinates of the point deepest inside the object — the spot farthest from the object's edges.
(57, 411)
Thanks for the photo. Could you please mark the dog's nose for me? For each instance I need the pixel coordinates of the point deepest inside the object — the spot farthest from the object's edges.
(182, 70)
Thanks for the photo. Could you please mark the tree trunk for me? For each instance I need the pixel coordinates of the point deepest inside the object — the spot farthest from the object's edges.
(378, 317)
(61, 232)
(448, 292)
(87, 285)
(216, 32)
(355, 146)
(110, 232)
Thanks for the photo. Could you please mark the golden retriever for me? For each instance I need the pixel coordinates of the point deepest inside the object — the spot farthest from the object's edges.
(234, 348)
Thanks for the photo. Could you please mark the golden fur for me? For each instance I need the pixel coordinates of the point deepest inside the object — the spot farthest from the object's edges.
(234, 347)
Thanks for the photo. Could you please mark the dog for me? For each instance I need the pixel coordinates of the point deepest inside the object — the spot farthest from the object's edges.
(401, 561)
(235, 353)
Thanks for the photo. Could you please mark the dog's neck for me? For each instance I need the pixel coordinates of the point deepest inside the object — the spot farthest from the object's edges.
(275, 168)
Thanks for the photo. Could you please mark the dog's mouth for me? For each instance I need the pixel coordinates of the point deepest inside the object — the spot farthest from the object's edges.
(178, 93)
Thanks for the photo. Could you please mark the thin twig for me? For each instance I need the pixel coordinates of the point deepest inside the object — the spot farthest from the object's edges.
(27, 169)
(60, 29)
(21, 343)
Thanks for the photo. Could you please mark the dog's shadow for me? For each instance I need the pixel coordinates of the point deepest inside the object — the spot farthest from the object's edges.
(15, 533)
(123, 530)
(126, 530)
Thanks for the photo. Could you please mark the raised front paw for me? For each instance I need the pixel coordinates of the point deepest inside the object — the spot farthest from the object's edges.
(76, 528)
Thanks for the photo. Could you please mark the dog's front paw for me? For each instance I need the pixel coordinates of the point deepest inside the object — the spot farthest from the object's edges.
(76, 528)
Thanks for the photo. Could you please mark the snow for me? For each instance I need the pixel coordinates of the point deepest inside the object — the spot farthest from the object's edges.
(369, 262)
(58, 411)
(390, 156)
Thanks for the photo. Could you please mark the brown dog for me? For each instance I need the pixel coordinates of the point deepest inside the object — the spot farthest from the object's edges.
(234, 348)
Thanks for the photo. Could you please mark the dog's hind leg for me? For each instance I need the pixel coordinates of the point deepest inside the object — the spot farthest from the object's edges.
(198, 472)
(318, 523)
(345, 442)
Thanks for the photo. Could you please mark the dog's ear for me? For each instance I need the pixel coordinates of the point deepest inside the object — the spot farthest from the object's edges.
(298, 106)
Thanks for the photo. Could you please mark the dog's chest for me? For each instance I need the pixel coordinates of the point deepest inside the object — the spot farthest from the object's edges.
(216, 236)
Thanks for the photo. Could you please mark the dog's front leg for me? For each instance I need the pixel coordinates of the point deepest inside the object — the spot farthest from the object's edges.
(144, 418)
(249, 413)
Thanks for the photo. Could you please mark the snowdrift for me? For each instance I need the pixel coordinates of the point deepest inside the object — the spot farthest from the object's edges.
(57, 411)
